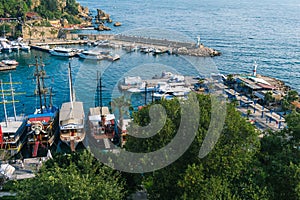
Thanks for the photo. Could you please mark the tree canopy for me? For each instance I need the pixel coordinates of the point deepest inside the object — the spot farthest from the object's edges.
(73, 176)
(240, 166)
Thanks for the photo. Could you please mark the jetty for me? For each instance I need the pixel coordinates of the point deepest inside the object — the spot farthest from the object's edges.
(127, 41)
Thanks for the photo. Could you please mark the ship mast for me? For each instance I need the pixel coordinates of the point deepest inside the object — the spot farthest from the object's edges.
(38, 83)
(4, 102)
(72, 98)
(99, 92)
(44, 89)
(13, 97)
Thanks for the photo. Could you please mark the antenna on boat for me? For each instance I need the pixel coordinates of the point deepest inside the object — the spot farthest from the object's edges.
(13, 97)
(4, 102)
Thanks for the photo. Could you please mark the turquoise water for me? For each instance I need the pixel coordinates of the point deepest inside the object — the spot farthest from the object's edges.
(267, 32)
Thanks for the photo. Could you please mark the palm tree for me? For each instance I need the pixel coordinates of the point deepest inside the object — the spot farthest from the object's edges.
(43, 34)
(122, 104)
(268, 98)
(53, 32)
(30, 33)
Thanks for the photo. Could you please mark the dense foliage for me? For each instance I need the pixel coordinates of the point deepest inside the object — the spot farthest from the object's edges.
(48, 9)
(14, 8)
(73, 176)
(240, 166)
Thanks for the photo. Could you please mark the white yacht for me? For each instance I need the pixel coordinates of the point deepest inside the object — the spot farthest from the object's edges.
(62, 51)
(141, 89)
(93, 55)
(24, 47)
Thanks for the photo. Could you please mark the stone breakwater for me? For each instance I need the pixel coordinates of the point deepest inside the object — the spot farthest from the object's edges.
(182, 48)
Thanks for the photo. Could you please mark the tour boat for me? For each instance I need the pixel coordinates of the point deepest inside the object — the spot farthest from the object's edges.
(12, 129)
(71, 119)
(42, 125)
(102, 126)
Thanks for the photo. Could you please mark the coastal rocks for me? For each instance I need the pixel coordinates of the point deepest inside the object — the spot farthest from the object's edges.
(101, 27)
(117, 24)
(102, 16)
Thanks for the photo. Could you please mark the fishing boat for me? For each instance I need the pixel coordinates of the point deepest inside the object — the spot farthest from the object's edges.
(102, 127)
(42, 125)
(12, 129)
(71, 119)
(64, 52)
(91, 55)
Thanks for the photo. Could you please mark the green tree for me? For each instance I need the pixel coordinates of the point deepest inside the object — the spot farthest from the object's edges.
(121, 104)
(292, 95)
(268, 98)
(226, 167)
(73, 176)
(53, 32)
(42, 33)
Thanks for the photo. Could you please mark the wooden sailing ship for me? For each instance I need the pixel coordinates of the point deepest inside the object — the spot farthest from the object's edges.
(42, 125)
(71, 119)
(102, 126)
(12, 128)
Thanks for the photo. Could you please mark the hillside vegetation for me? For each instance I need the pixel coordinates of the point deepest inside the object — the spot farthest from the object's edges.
(47, 9)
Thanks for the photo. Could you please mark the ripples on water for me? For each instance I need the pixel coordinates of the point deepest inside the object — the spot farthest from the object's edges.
(244, 31)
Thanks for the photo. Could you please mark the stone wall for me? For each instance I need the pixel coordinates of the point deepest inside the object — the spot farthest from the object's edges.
(36, 32)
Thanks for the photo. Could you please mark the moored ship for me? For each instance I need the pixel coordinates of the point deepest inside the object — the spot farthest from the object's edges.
(102, 126)
(43, 123)
(71, 119)
(64, 52)
(12, 129)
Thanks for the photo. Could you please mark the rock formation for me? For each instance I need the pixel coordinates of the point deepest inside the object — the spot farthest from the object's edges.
(117, 24)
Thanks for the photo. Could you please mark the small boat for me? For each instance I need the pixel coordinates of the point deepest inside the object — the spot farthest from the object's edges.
(42, 125)
(24, 47)
(15, 47)
(6, 47)
(146, 49)
(10, 62)
(167, 91)
(130, 82)
(62, 51)
(91, 55)
(71, 119)
(141, 89)
(111, 57)
(12, 129)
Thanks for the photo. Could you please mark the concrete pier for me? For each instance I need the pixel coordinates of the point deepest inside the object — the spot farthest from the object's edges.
(183, 48)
